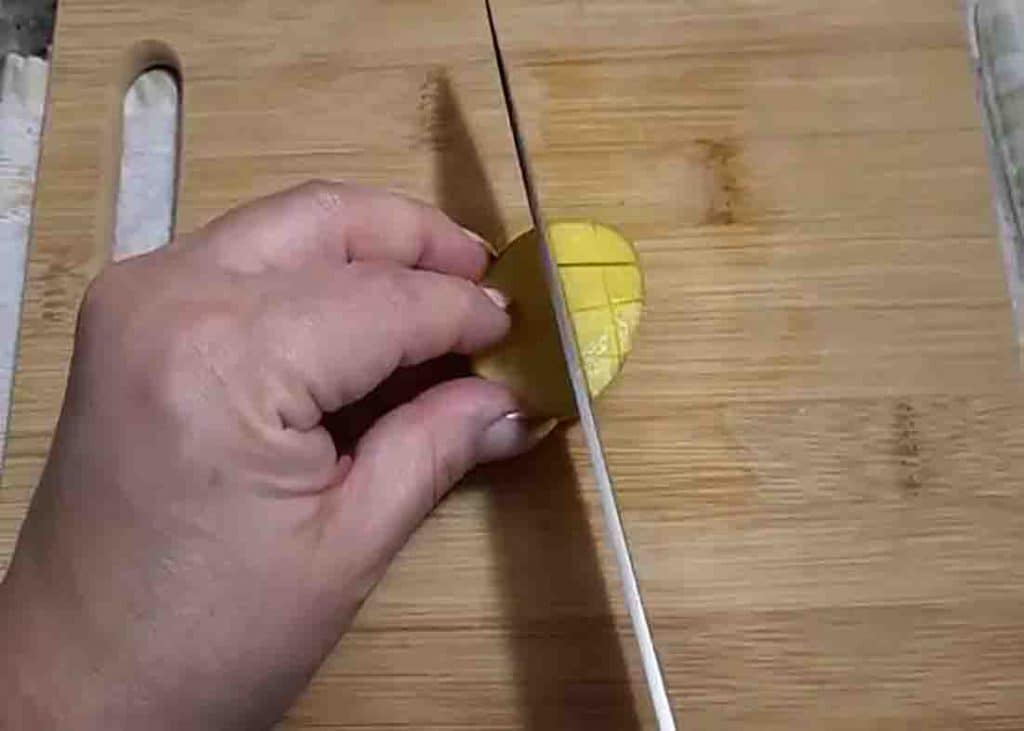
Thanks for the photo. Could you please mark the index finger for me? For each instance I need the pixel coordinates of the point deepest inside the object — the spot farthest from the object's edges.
(328, 223)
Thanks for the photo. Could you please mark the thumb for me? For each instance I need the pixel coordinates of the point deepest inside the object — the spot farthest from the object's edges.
(414, 454)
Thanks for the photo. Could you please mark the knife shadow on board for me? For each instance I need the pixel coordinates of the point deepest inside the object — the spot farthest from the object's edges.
(569, 662)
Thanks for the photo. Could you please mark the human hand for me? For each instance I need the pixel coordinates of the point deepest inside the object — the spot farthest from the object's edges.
(196, 546)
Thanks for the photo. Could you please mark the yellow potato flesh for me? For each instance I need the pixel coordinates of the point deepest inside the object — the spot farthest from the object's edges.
(604, 293)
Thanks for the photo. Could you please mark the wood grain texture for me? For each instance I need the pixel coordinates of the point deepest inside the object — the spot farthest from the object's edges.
(818, 438)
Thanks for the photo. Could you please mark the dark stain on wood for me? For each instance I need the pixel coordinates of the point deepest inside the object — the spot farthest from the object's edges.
(719, 157)
(431, 111)
(908, 450)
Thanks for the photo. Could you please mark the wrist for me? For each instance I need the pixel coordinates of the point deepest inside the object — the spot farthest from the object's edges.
(46, 682)
(21, 671)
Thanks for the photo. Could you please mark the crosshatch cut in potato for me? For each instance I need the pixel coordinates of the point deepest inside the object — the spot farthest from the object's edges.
(604, 291)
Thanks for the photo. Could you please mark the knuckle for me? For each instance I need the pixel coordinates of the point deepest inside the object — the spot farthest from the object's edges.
(324, 195)
(464, 300)
(448, 469)
(442, 463)
(416, 216)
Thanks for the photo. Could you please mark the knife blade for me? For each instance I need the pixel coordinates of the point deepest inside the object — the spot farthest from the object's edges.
(577, 377)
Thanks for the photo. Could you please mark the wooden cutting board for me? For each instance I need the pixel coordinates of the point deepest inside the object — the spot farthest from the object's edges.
(819, 437)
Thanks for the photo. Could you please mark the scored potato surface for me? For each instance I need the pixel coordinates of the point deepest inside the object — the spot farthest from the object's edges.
(604, 293)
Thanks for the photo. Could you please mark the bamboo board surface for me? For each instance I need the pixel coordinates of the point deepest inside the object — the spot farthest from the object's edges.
(818, 439)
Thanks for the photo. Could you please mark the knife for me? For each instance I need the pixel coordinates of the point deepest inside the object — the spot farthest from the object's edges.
(577, 377)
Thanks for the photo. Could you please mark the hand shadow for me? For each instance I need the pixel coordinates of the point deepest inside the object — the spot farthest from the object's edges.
(347, 425)
(568, 661)
(569, 665)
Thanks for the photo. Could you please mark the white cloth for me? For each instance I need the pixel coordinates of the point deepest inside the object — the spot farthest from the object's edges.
(145, 199)
(22, 94)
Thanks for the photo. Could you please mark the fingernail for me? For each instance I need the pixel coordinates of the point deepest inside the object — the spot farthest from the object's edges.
(496, 296)
(480, 240)
(512, 435)
(539, 430)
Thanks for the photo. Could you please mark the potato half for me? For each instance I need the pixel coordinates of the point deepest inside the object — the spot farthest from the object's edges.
(604, 291)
